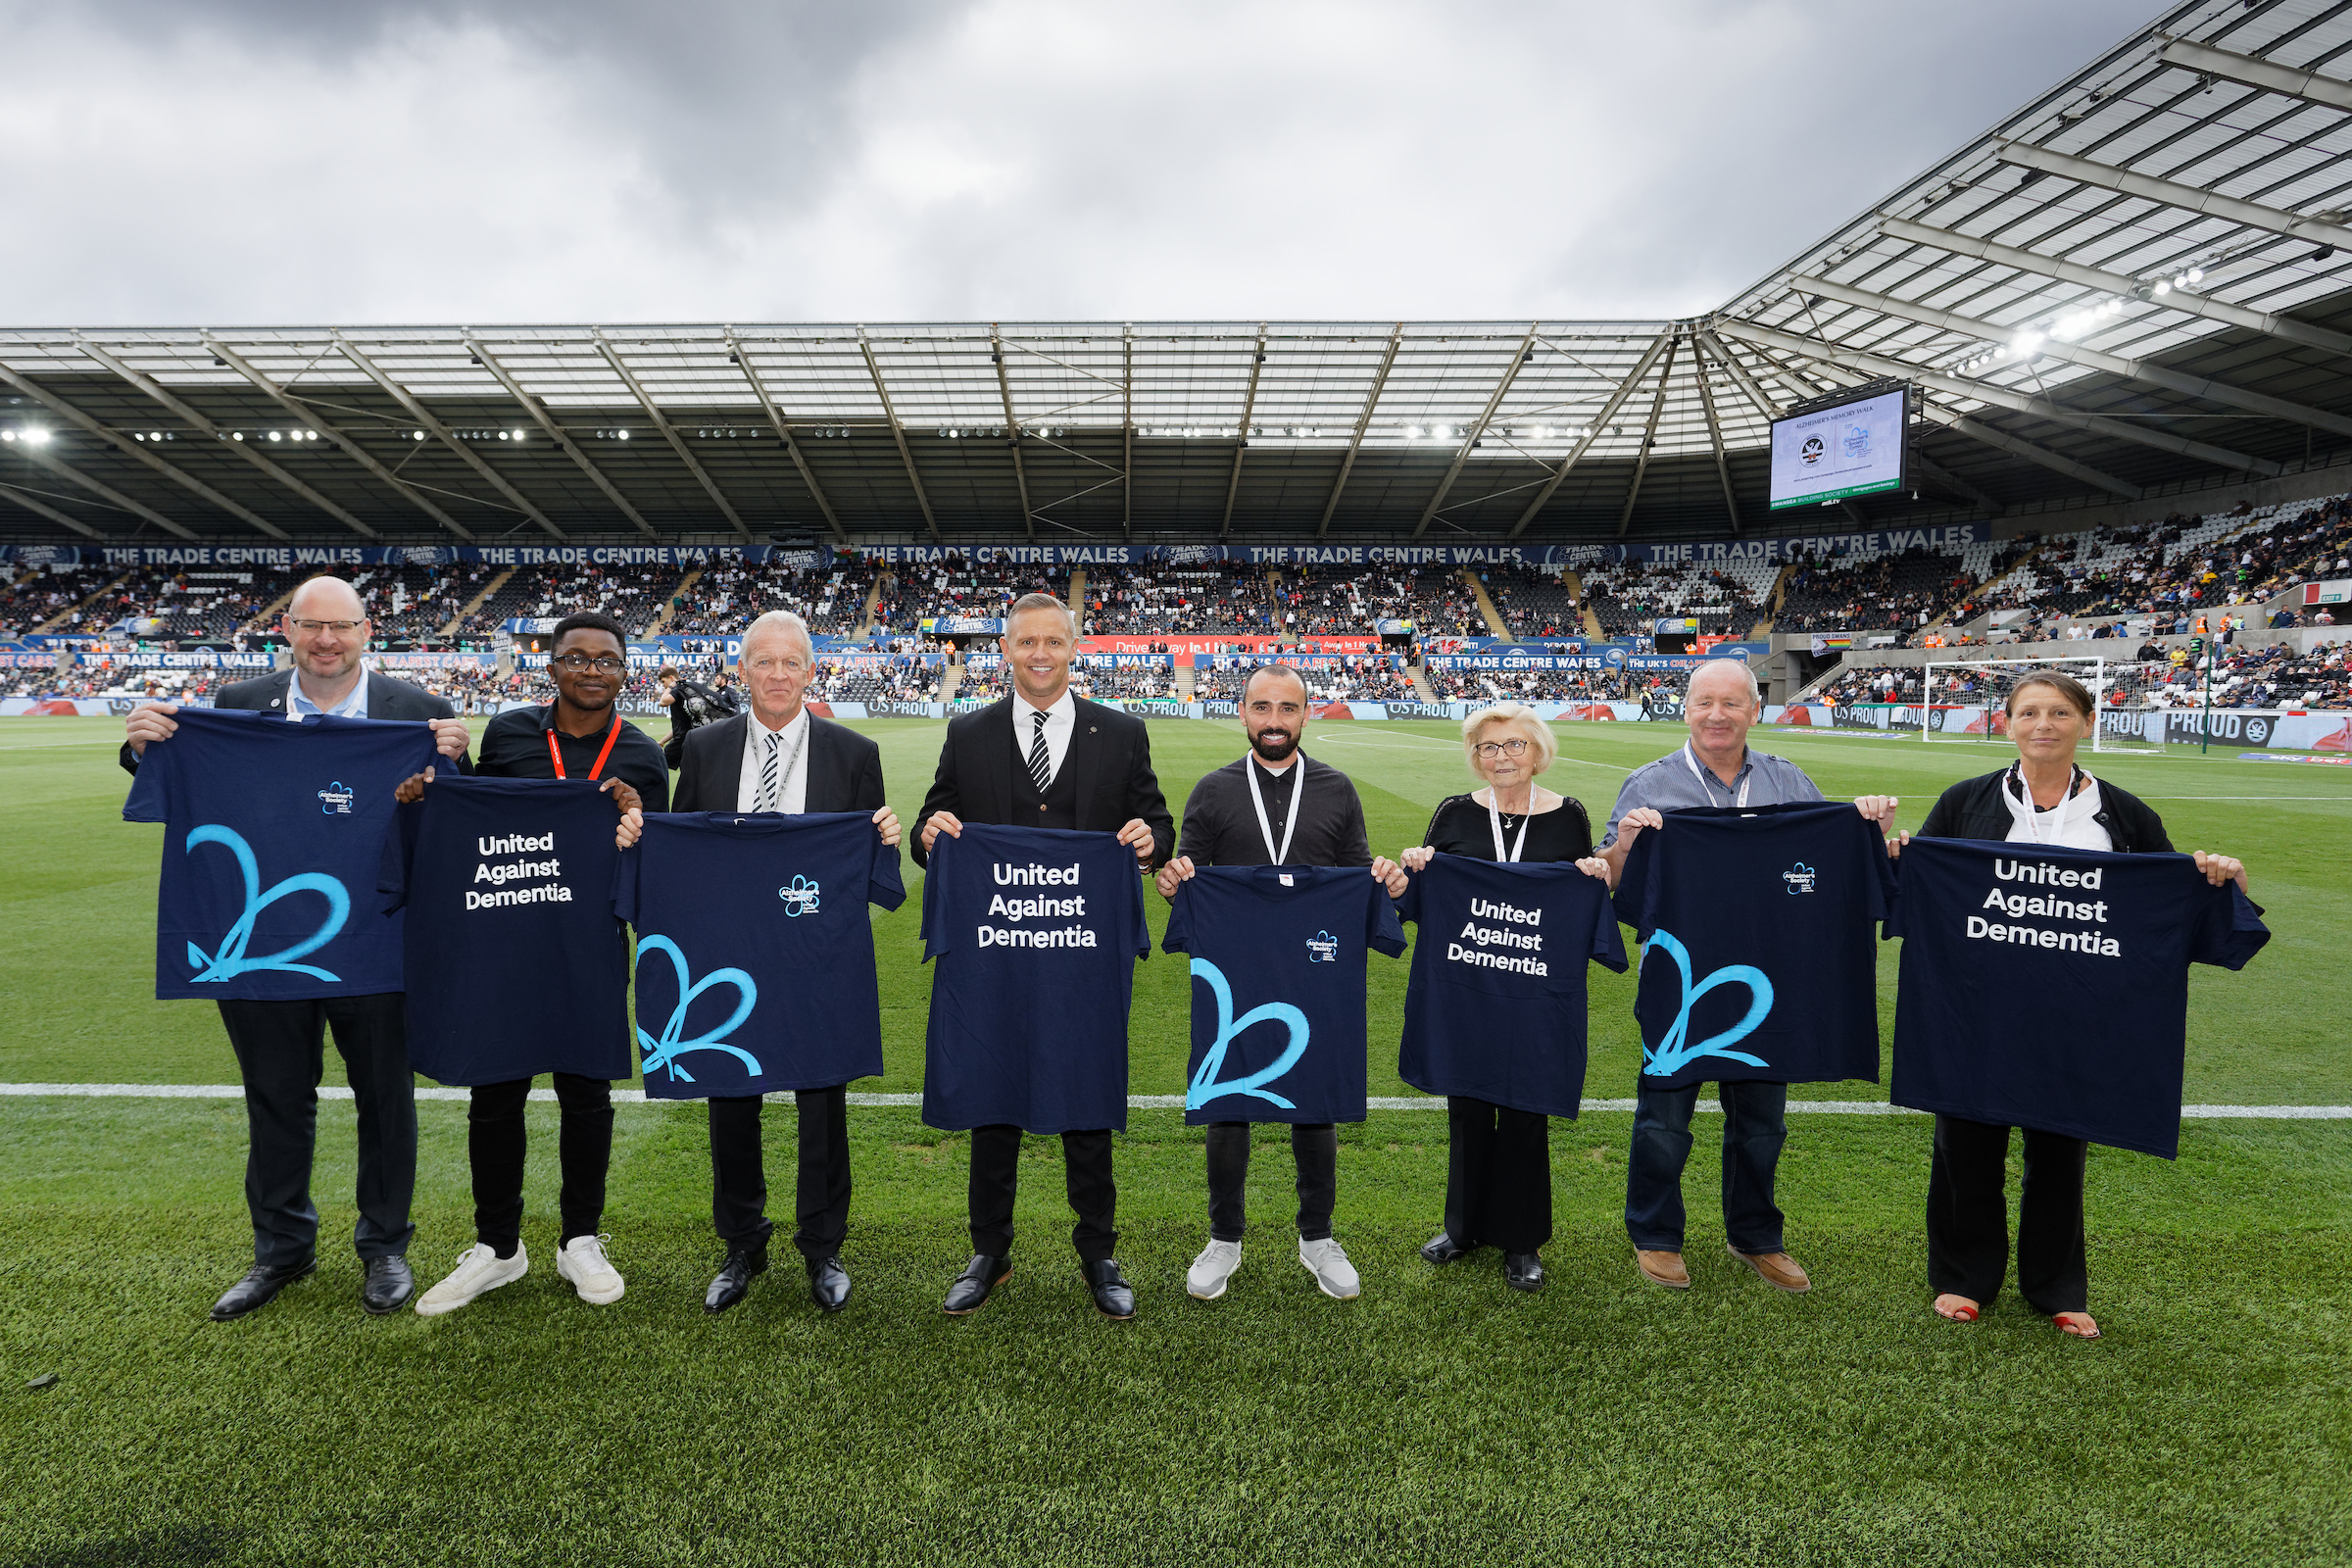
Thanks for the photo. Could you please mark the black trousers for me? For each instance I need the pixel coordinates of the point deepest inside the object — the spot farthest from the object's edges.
(739, 1172)
(281, 1052)
(1086, 1176)
(496, 1141)
(1497, 1175)
(1315, 1149)
(1968, 1217)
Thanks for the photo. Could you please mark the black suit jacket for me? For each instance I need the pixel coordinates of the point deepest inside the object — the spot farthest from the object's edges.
(387, 699)
(1110, 762)
(844, 767)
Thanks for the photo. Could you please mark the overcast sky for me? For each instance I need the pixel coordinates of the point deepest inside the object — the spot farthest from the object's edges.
(276, 162)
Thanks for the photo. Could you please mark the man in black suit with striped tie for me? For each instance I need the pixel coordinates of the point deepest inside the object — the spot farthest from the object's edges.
(780, 757)
(1044, 757)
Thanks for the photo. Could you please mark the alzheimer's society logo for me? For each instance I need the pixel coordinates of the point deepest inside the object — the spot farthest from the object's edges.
(1322, 948)
(335, 799)
(799, 896)
(1801, 878)
(662, 1055)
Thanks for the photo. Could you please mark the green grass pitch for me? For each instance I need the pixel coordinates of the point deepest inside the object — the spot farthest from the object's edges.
(1439, 1418)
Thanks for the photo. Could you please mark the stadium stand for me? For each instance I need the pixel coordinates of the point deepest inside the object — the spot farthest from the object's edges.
(1534, 602)
(982, 585)
(1190, 600)
(1434, 599)
(1628, 598)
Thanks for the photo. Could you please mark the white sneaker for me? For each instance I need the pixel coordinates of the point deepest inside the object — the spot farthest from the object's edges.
(583, 1262)
(1328, 1262)
(478, 1269)
(1212, 1270)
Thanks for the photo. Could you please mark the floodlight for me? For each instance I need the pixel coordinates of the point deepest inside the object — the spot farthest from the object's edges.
(8, 435)
(2196, 274)
(1412, 432)
(2161, 287)
(418, 436)
(519, 435)
(625, 435)
(274, 436)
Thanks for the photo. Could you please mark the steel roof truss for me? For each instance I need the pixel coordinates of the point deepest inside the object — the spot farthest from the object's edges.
(677, 443)
(1363, 423)
(1608, 411)
(1478, 429)
(138, 451)
(898, 433)
(554, 432)
(445, 436)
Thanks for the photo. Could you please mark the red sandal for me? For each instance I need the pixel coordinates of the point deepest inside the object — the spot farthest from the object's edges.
(2066, 1322)
(1963, 1310)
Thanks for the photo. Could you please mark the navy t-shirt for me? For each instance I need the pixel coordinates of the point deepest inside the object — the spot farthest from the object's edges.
(273, 830)
(516, 963)
(1496, 1006)
(1035, 932)
(1279, 957)
(1759, 958)
(754, 954)
(2048, 988)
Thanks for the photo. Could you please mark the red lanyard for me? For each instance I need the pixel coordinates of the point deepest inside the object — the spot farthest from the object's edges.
(557, 757)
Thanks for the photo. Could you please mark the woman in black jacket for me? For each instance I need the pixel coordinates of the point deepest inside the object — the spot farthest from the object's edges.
(1498, 1160)
(2044, 797)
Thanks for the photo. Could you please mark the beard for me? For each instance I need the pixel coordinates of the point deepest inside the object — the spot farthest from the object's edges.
(1274, 747)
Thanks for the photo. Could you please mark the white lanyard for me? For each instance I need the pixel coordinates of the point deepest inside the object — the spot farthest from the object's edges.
(1265, 824)
(1494, 822)
(2057, 814)
(1692, 763)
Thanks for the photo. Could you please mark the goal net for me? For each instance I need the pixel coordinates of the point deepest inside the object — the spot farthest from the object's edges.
(1968, 700)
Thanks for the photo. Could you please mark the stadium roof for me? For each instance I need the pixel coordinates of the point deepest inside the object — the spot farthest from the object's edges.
(2132, 287)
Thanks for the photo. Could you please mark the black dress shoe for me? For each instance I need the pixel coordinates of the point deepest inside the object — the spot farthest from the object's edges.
(388, 1285)
(980, 1275)
(1114, 1296)
(744, 1265)
(1523, 1271)
(1443, 1249)
(829, 1283)
(258, 1287)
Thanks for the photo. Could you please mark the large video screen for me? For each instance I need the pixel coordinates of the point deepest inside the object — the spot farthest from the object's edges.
(1854, 449)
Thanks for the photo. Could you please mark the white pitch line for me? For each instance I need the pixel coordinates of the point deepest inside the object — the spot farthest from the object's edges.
(637, 1097)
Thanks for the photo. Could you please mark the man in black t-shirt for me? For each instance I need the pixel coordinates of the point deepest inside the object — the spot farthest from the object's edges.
(579, 735)
(1275, 806)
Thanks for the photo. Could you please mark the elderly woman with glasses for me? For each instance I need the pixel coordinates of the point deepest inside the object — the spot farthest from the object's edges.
(1499, 1166)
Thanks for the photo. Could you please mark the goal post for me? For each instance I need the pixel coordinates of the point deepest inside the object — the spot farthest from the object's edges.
(1968, 700)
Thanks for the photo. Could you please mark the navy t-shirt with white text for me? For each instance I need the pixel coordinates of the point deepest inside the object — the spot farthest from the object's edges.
(1035, 932)
(754, 953)
(273, 830)
(1759, 954)
(1495, 1009)
(2047, 987)
(1279, 956)
(516, 963)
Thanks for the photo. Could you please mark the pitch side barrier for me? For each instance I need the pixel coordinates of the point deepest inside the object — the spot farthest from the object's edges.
(1303, 553)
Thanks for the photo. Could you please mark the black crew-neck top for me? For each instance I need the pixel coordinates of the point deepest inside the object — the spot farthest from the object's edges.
(1460, 826)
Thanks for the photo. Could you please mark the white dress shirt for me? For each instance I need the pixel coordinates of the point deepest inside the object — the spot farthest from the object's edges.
(757, 738)
(1061, 722)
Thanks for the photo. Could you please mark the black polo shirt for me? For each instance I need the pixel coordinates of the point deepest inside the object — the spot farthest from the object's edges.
(1221, 825)
(514, 746)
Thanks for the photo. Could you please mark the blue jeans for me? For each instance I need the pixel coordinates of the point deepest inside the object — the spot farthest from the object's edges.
(1755, 1124)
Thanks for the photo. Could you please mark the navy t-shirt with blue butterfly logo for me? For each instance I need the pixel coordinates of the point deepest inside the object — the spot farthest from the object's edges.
(1495, 1008)
(1279, 962)
(1759, 956)
(755, 951)
(516, 963)
(2047, 987)
(1033, 933)
(273, 830)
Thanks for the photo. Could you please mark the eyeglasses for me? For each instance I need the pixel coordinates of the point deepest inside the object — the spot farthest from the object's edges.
(606, 665)
(1490, 750)
(341, 628)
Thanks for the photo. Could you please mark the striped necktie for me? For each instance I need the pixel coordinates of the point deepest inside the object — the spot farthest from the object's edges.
(767, 774)
(1041, 761)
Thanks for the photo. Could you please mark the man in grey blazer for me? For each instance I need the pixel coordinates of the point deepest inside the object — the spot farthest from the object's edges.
(780, 757)
(280, 1045)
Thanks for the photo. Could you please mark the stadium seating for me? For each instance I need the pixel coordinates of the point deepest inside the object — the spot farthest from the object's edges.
(1629, 598)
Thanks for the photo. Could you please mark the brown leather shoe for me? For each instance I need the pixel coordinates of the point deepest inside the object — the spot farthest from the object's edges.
(1663, 1268)
(1777, 1269)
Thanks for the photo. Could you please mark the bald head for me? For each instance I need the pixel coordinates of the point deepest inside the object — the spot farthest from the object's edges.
(327, 599)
